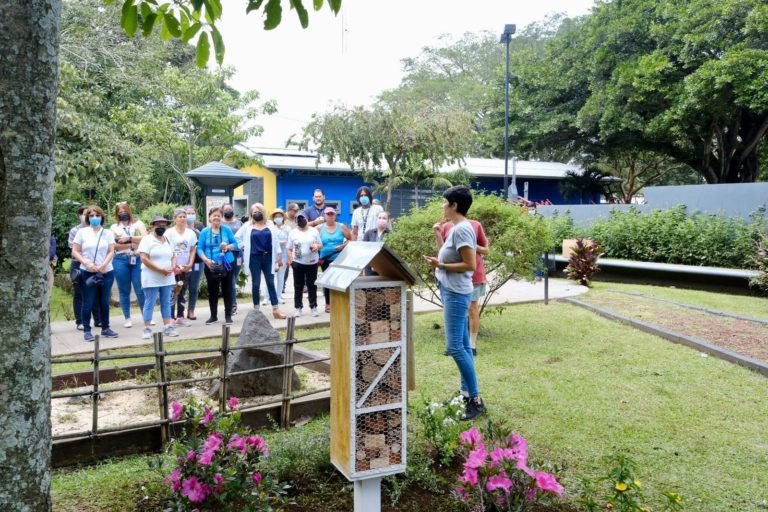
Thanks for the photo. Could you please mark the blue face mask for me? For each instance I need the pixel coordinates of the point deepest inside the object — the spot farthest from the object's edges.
(364, 200)
(191, 218)
(95, 221)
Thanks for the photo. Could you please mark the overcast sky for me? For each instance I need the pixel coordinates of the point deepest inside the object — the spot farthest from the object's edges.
(352, 57)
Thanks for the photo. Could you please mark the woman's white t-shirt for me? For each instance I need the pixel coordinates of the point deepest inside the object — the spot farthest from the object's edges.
(89, 240)
(119, 230)
(181, 244)
(160, 253)
(365, 219)
(299, 242)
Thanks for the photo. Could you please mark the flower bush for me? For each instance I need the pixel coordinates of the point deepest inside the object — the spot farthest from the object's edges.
(219, 463)
(440, 426)
(497, 475)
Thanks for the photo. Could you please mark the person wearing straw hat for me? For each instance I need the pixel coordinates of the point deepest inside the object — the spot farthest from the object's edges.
(158, 263)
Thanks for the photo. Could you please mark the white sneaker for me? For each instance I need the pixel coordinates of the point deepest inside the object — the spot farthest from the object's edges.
(147, 333)
(181, 322)
(315, 312)
(128, 323)
(265, 302)
(152, 322)
(170, 331)
(298, 313)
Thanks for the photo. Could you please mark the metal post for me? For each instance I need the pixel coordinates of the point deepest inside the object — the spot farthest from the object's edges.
(162, 386)
(285, 410)
(368, 495)
(223, 367)
(410, 349)
(546, 278)
(95, 396)
(506, 122)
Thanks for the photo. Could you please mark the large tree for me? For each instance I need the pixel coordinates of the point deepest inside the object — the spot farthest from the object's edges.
(684, 79)
(29, 52)
(386, 142)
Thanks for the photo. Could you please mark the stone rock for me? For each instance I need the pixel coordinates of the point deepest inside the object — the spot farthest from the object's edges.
(256, 332)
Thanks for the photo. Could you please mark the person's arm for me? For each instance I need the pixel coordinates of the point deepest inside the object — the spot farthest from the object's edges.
(77, 254)
(483, 247)
(122, 240)
(437, 229)
(289, 248)
(467, 264)
(349, 235)
(108, 259)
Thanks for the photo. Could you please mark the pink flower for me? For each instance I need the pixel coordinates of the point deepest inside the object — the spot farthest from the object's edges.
(218, 478)
(205, 458)
(470, 437)
(233, 403)
(519, 448)
(499, 481)
(476, 457)
(238, 443)
(194, 490)
(461, 492)
(256, 477)
(172, 480)
(258, 443)
(469, 476)
(548, 483)
(176, 410)
(210, 447)
(191, 454)
(208, 417)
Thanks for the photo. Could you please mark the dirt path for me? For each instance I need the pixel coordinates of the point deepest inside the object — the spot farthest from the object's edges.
(740, 335)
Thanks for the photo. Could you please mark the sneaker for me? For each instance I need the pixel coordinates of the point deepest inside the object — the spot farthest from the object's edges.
(170, 331)
(228, 321)
(147, 333)
(180, 322)
(298, 313)
(265, 302)
(152, 322)
(474, 409)
(276, 313)
(327, 308)
(234, 309)
(79, 327)
(315, 312)
(211, 320)
(109, 333)
(88, 336)
(128, 324)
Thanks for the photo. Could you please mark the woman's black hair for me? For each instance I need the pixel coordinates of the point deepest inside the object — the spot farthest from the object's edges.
(366, 190)
(460, 195)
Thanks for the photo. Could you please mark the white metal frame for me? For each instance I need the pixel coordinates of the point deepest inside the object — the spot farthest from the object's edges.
(355, 410)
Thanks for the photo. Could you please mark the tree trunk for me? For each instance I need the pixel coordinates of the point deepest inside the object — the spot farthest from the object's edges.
(28, 85)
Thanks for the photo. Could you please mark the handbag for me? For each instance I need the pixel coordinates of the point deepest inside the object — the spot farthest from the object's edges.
(219, 268)
(75, 274)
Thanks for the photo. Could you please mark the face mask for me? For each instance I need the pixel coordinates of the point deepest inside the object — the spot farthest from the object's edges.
(159, 230)
(364, 200)
(229, 215)
(258, 216)
(382, 224)
(82, 219)
(302, 222)
(124, 217)
(278, 220)
(191, 218)
(95, 221)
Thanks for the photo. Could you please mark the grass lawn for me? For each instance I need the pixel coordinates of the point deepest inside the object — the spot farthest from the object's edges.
(580, 388)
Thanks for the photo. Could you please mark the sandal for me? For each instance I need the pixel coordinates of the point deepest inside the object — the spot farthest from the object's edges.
(190, 317)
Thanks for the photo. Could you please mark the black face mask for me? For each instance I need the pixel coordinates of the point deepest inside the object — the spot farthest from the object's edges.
(124, 217)
(160, 230)
(258, 216)
(229, 215)
(302, 222)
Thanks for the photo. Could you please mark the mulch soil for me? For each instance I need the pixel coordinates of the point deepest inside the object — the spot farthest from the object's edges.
(742, 336)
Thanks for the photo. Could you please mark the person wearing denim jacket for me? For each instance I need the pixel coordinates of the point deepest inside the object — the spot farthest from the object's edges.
(215, 245)
(454, 266)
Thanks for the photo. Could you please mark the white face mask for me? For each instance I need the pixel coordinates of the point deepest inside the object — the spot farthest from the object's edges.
(82, 219)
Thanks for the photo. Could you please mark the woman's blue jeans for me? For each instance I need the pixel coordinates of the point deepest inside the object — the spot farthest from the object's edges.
(127, 275)
(93, 294)
(258, 265)
(150, 298)
(455, 309)
(194, 284)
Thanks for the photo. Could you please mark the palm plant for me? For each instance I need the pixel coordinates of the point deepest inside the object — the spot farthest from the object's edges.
(586, 184)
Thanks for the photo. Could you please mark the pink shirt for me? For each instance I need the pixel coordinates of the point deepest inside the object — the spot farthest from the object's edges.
(479, 276)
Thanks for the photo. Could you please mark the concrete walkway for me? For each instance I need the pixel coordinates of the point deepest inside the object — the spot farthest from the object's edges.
(65, 339)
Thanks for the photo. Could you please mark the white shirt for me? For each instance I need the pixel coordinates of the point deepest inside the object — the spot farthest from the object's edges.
(120, 231)
(161, 254)
(365, 219)
(181, 243)
(299, 242)
(89, 243)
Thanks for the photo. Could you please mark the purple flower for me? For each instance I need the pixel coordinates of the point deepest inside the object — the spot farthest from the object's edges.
(233, 403)
(191, 454)
(258, 443)
(208, 417)
(218, 478)
(476, 457)
(470, 437)
(194, 490)
(499, 481)
(469, 476)
(172, 480)
(210, 447)
(176, 411)
(548, 483)
(256, 477)
(238, 443)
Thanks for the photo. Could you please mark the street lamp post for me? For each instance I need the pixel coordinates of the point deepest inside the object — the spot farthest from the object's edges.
(506, 37)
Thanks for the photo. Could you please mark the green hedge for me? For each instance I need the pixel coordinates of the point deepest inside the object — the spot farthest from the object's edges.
(671, 236)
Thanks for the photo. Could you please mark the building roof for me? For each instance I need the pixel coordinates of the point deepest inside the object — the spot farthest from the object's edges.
(285, 159)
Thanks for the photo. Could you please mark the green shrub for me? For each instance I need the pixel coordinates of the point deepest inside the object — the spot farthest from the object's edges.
(562, 227)
(760, 281)
(164, 209)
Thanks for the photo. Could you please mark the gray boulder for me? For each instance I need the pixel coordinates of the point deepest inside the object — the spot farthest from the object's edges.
(256, 332)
